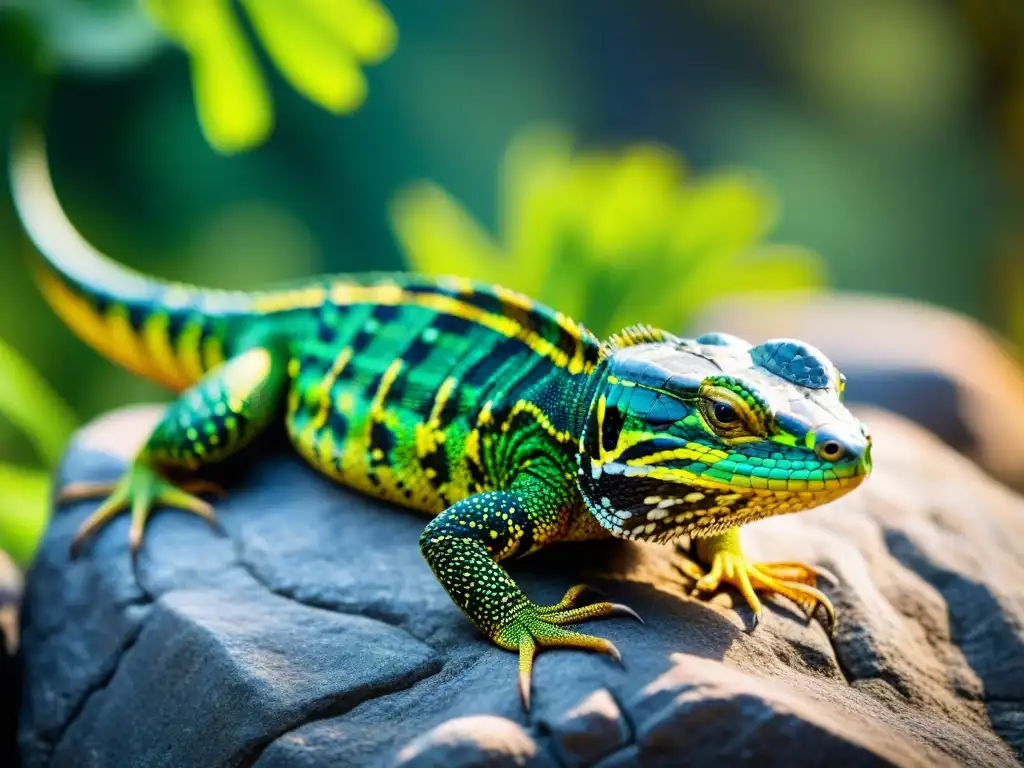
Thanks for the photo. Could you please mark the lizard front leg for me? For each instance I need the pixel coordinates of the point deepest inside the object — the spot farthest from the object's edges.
(724, 556)
(207, 423)
(462, 547)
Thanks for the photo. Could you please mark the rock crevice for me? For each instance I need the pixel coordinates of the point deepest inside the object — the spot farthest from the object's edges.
(99, 685)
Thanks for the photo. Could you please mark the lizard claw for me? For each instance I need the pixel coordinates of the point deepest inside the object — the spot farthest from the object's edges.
(84, 490)
(618, 609)
(795, 581)
(535, 626)
(139, 490)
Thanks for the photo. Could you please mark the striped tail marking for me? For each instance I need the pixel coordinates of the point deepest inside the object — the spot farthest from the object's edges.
(138, 341)
(166, 332)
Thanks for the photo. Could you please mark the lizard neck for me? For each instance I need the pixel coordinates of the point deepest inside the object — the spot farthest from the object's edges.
(580, 397)
(563, 398)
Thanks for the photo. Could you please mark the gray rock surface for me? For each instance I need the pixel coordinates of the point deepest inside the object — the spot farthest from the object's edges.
(312, 633)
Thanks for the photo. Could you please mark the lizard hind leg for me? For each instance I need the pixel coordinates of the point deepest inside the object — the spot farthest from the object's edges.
(207, 423)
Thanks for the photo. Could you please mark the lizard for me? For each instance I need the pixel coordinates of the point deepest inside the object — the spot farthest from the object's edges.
(508, 423)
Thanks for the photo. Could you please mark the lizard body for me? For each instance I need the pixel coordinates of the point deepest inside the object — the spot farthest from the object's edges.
(508, 423)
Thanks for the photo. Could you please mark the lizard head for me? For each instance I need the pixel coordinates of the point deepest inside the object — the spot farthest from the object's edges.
(691, 437)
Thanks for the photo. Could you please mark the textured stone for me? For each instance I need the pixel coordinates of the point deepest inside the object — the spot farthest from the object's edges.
(589, 731)
(233, 674)
(710, 712)
(312, 633)
(481, 740)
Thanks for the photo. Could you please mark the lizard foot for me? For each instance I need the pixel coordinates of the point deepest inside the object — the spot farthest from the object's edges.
(795, 581)
(535, 625)
(140, 489)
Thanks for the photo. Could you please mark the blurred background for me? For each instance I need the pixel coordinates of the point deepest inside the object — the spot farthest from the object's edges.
(622, 161)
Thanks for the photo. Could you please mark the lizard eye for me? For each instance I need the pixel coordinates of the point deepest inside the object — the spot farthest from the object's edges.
(724, 413)
(723, 417)
(728, 414)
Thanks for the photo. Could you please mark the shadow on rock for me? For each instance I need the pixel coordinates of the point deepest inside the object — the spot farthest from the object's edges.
(981, 629)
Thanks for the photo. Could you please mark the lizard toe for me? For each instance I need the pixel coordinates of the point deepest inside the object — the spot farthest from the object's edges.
(535, 627)
(139, 490)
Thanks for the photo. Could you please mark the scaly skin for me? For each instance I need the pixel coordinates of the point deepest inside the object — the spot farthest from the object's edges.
(508, 423)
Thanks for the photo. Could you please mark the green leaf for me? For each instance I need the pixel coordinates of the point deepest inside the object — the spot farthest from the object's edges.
(232, 99)
(317, 44)
(531, 202)
(779, 268)
(772, 269)
(566, 254)
(439, 237)
(633, 198)
(723, 214)
(30, 404)
(363, 26)
(24, 505)
(308, 56)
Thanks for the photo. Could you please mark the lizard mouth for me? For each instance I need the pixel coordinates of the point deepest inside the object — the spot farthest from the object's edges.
(662, 502)
(770, 503)
(680, 474)
(674, 460)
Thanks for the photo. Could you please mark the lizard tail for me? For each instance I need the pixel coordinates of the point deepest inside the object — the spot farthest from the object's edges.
(167, 332)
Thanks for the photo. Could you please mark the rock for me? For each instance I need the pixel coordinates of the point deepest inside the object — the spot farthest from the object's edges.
(592, 729)
(941, 369)
(696, 708)
(476, 740)
(312, 633)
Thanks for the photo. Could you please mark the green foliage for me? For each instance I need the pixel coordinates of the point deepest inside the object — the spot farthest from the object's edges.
(28, 402)
(24, 504)
(318, 45)
(609, 238)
